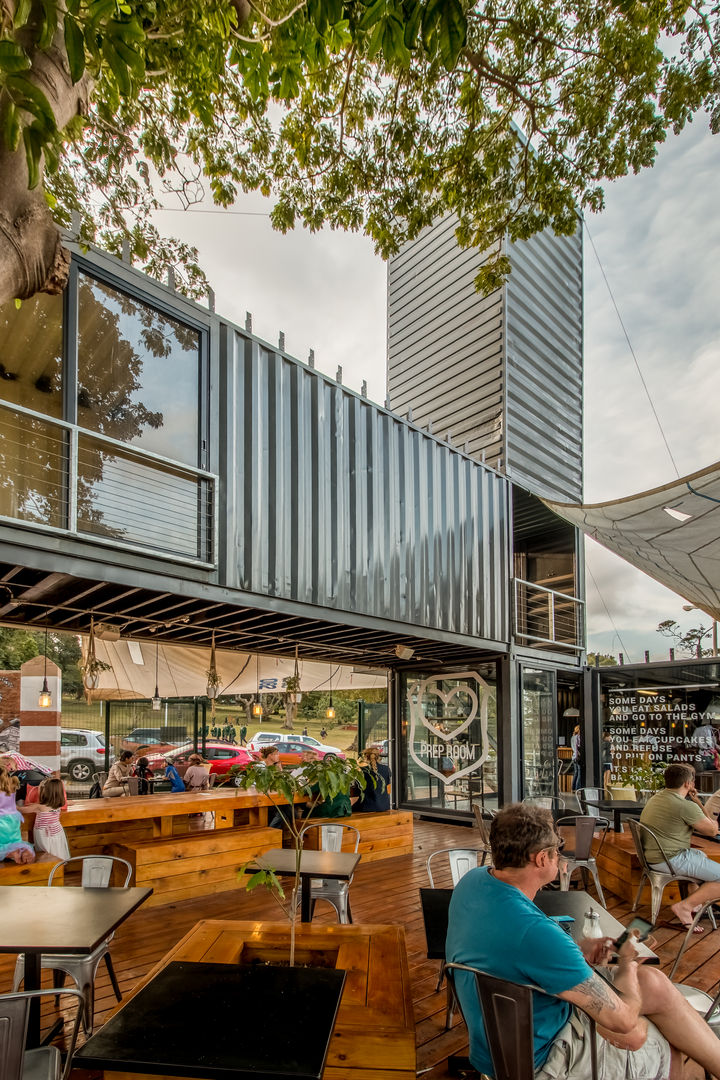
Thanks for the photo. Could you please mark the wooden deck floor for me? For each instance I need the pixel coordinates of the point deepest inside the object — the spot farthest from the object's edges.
(381, 892)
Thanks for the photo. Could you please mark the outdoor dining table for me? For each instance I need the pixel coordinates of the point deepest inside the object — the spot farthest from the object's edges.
(37, 919)
(575, 903)
(617, 807)
(335, 865)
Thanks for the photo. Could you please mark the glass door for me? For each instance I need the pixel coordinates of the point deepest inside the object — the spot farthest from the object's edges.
(538, 732)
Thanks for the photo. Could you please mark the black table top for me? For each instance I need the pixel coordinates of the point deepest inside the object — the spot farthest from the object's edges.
(628, 806)
(56, 919)
(575, 903)
(222, 1020)
(319, 864)
(435, 907)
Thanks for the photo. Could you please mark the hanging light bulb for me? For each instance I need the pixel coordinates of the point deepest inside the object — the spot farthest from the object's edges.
(45, 698)
(156, 701)
(257, 709)
(330, 711)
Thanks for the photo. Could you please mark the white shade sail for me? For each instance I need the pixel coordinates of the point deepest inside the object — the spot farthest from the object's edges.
(672, 533)
(182, 672)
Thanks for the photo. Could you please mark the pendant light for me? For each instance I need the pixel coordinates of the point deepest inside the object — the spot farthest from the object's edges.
(156, 701)
(330, 711)
(45, 698)
(257, 709)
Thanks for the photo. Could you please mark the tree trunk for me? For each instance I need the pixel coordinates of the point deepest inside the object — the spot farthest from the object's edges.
(290, 712)
(32, 258)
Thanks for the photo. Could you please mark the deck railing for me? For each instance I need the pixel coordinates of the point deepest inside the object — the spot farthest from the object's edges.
(544, 617)
(57, 476)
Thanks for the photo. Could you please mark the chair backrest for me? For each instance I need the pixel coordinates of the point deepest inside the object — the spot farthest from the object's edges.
(96, 870)
(483, 821)
(211, 779)
(99, 777)
(623, 794)
(132, 783)
(507, 1012)
(461, 860)
(583, 794)
(435, 906)
(330, 837)
(639, 833)
(585, 828)
(14, 1015)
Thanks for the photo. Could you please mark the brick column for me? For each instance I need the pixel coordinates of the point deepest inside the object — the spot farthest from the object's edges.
(40, 728)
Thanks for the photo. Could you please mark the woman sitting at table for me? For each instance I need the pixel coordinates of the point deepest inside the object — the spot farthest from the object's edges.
(376, 795)
(119, 772)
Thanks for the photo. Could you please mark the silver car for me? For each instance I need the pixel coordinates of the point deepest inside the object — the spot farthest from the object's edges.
(82, 753)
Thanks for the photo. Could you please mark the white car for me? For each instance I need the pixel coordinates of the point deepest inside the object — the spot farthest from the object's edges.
(82, 753)
(266, 738)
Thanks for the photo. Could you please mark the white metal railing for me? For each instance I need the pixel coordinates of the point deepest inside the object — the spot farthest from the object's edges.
(545, 617)
(57, 476)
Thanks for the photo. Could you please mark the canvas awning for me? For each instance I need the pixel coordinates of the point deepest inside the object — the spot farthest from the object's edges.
(182, 671)
(672, 533)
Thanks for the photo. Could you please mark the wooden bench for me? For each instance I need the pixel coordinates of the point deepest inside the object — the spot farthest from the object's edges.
(34, 873)
(180, 867)
(382, 835)
(620, 870)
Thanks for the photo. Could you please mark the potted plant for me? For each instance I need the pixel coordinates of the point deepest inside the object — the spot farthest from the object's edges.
(318, 782)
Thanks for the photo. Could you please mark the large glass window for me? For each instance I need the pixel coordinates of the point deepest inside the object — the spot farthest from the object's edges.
(538, 727)
(31, 354)
(448, 739)
(138, 373)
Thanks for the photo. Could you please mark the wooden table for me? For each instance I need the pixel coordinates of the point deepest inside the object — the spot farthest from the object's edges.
(374, 1035)
(41, 919)
(617, 807)
(335, 865)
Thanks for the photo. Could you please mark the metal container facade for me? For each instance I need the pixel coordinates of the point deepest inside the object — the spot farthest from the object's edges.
(335, 502)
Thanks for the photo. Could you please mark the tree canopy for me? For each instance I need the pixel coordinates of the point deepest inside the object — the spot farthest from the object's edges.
(374, 115)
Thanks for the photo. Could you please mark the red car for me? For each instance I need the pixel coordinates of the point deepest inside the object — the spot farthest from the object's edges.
(221, 755)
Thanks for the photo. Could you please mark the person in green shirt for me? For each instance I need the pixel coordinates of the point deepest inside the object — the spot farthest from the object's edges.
(674, 814)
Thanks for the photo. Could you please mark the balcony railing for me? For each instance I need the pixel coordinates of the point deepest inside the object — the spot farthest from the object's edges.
(544, 617)
(54, 475)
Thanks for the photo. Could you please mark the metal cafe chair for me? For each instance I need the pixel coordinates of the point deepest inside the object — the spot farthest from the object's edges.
(546, 802)
(460, 859)
(594, 793)
(658, 879)
(82, 967)
(337, 893)
(42, 1062)
(435, 907)
(577, 852)
(507, 1012)
(483, 821)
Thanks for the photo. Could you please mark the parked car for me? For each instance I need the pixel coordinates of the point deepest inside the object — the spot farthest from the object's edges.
(265, 738)
(291, 751)
(82, 753)
(159, 738)
(221, 756)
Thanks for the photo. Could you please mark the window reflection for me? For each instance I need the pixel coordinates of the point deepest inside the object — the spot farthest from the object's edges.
(138, 373)
(31, 354)
(33, 463)
(538, 694)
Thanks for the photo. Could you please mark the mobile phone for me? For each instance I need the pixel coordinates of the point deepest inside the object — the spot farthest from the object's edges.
(641, 925)
(564, 921)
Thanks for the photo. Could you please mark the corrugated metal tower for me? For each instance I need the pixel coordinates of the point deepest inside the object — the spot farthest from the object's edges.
(501, 374)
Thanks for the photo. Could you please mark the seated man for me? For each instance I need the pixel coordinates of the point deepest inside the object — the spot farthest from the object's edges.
(674, 813)
(644, 1023)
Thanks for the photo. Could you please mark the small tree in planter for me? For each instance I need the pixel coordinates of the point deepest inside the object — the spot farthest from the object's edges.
(318, 782)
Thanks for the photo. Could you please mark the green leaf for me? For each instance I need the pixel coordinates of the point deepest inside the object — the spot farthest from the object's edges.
(27, 96)
(412, 26)
(453, 32)
(48, 24)
(33, 152)
(22, 13)
(12, 58)
(118, 67)
(372, 14)
(18, 303)
(10, 126)
(75, 48)
(430, 17)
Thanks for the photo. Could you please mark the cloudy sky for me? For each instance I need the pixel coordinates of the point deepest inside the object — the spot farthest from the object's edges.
(658, 242)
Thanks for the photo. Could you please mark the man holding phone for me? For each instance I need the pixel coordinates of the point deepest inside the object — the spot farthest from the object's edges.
(644, 1023)
(674, 814)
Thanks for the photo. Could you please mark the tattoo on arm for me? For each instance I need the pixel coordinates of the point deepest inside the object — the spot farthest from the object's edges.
(601, 996)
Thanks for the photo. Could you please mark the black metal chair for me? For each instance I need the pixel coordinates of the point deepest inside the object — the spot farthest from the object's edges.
(435, 906)
(507, 1011)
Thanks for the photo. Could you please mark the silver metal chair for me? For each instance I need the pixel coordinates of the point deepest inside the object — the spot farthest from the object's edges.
(82, 967)
(336, 893)
(43, 1062)
(658, 879)
(579, 855)
(706, 909)
(507, 1012)
(461, 860)
(546, 802)
(483, 821)
(594, 793)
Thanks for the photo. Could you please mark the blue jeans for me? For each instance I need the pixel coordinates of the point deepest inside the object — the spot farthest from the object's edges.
(577, 776)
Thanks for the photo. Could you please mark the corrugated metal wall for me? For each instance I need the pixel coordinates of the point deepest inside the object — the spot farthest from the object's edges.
(334, 502)
(544, 365)
(445, 342)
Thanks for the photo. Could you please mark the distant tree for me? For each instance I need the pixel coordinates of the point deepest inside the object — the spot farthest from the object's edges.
(66, 652)
(603, 659)
(690, 641)
(16, 646)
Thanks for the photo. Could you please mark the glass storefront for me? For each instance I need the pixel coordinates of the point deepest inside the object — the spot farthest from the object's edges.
(448, 740)
(538, 732)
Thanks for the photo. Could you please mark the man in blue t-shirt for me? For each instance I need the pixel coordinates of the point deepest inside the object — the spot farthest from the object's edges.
(644, 1022)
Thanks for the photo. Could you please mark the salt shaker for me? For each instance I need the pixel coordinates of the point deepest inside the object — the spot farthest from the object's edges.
(591, 925)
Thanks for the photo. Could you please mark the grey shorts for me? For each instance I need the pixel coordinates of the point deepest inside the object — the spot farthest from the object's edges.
(569, 1057)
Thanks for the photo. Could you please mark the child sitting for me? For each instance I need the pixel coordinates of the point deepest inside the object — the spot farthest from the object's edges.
(12, 845)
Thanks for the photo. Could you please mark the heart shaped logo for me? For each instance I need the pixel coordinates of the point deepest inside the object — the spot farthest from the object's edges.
(462, 704)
